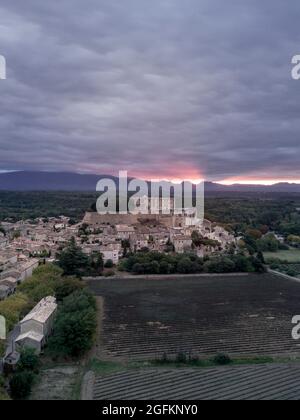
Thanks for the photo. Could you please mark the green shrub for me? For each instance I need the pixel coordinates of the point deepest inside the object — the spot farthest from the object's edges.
(109, 264)
(13, 308)
(109, 273)
(66, 287)
(29, 361)
(181, 357)
(21, 384)
(222, 360)
(3, 394)
(75, 326)
(292, 272)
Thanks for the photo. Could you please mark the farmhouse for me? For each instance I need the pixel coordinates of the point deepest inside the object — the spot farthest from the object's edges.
(37, 325)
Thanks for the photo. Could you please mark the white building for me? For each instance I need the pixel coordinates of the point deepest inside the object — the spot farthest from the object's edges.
(7, 287)
(26, 269)
(111, 252)
(5, 291)
(124, 231)
(7, 259)
(37, 325)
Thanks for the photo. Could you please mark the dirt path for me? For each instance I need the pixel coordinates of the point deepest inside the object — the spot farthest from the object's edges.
(56, 384)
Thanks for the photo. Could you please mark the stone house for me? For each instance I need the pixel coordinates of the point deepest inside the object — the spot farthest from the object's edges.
(111, 252)
(182, 243)
(36, 327)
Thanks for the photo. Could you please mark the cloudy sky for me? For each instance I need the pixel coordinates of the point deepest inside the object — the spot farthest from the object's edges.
(161, 88)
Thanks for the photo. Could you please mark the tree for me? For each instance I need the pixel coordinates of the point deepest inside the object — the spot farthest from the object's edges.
(29, 361)
(3, 394)
(254, 233)
(260, 257)
(72, 222)
(75, 325)
(292, 272)
(164, 267)
(264, 229)
(197, 266)
(95, 264)
(293, 239)
(21, 384)
(154, 267)
(16, 234)
(109, 264)
(220, 265)
(258, 265)
(243, 264)
(184, 266)
(138, 269)
(126, 247)
(268, 243)
(222, 359)
(251, 244)
(66, 287)
(84, 229)
(72, 260)
(13, 308)
(169, 246)
(197, 239)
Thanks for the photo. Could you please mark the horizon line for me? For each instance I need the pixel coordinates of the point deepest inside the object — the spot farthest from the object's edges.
(225, 182)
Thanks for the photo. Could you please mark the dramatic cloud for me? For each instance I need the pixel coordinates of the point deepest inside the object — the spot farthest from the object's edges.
(159, 88)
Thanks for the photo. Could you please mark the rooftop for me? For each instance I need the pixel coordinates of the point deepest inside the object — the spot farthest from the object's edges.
(31, 334)
(42, 311)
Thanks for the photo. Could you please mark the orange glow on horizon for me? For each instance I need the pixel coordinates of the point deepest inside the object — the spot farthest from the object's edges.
(268, 182)
(176, 177)
(179, 173)
(175, 174)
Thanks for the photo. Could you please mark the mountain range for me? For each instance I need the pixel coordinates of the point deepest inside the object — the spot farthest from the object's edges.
(65, 181)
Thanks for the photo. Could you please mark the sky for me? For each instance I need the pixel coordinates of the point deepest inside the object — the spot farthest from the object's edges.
(163, 88)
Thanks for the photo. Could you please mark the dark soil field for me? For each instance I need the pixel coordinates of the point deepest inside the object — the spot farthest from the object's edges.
(238, 315)
(274, 382)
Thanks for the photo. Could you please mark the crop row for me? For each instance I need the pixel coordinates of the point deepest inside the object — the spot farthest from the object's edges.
(245, 382)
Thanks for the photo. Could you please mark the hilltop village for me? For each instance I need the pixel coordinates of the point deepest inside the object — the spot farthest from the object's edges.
(44, 302)
(25, 243)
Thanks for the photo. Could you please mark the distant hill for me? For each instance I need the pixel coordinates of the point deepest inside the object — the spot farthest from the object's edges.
(65, 181)
(47, 181)
(282, 187)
